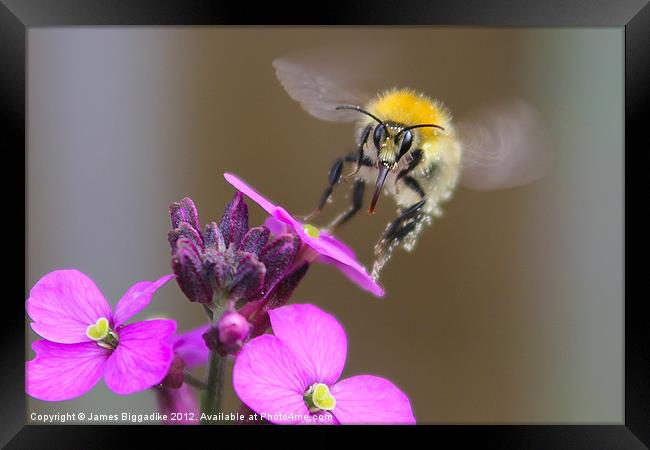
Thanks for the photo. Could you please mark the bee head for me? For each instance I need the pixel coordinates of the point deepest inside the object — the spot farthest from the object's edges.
(392, 141)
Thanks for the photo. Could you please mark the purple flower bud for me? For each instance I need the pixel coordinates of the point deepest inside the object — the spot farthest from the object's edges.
(230, 261)
(277, 256)
(212, 237)
(248, 279)
(233, 330)
(217, 268)
(184, 211)
(175, 377)
(234, 222)
(188, 268)
(284, 289)
(229, 334)
(254, 240)
(186, 231)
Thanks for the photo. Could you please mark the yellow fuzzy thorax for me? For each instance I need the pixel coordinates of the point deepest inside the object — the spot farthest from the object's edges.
(409, 107)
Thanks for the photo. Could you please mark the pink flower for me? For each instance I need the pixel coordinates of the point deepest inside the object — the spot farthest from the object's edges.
(84, 340)
(189, 351)
(326, 248)
(191, 347)
(292, 377)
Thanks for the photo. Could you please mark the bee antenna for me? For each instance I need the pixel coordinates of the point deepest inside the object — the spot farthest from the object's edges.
(422, 125)
(358, 108)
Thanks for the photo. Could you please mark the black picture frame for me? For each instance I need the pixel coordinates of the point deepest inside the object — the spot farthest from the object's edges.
(17, 16)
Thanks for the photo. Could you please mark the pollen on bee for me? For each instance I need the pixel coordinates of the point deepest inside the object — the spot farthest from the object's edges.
(410, 107)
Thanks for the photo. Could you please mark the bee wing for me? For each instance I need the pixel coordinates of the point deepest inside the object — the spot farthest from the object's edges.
(503, 146)
(323, 79)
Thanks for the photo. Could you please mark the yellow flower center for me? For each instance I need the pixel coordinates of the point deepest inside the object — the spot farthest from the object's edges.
(101, 333)
(99, 330)
(311, 230)
(319, 398)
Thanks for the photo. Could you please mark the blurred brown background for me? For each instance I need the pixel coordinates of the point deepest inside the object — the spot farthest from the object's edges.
(510, 308)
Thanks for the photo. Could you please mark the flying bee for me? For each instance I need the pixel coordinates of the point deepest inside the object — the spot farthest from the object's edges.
(409, 147)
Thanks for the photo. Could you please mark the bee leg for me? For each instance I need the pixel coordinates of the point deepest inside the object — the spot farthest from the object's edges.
(357, 200)
(413, 184)
(409, 222)
(415, 159)
(412, 214)
(359, 153)
(395, 230)
(401, 232)
(385, 246)
(333, 178)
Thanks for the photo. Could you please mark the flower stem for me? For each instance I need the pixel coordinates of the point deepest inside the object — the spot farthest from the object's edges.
(211, 399)
(197, 384)
(211, 402)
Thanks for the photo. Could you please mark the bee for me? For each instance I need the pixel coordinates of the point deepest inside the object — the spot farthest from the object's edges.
(408, 145)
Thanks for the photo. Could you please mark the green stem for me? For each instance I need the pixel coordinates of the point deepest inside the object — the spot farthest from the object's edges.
(197, 384)
(211, 399)
(211, 402)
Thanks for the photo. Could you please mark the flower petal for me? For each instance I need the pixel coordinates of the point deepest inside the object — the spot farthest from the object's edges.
(142, 358)
(191, 347)
(333, 252)
(367, 399)
(137, 298)
(355, 273)
(63, 371)
(275, 226)
(63, 304)
(270, 379)
(316, 337)
(325, 243)
(337, 245)
(251, 193)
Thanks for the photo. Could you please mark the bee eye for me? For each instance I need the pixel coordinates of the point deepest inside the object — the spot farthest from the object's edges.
(379, 135)
(407, 141)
